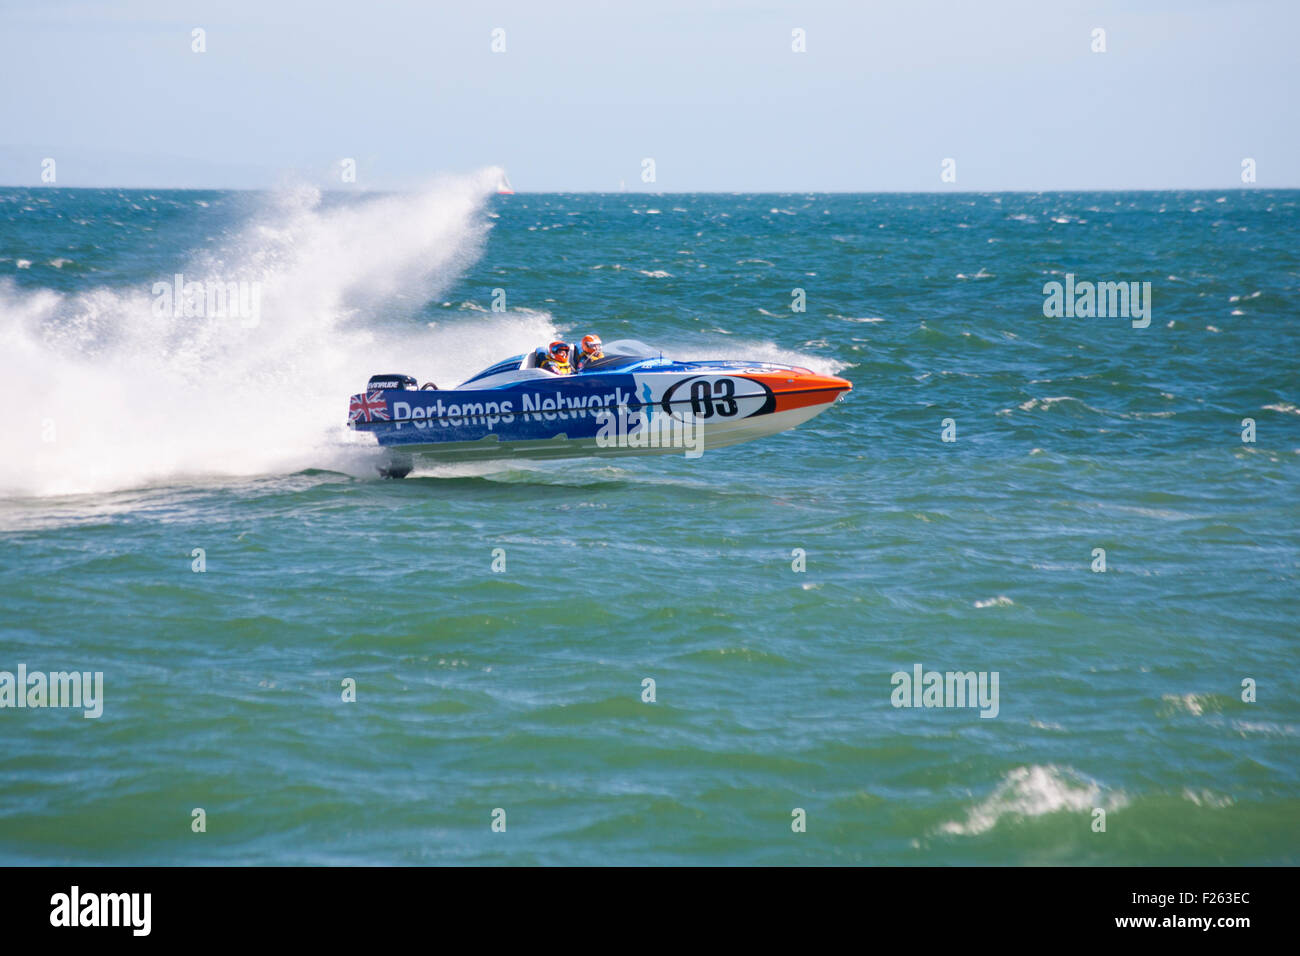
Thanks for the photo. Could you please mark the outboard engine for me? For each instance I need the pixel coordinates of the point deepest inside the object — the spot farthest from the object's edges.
(390, 381)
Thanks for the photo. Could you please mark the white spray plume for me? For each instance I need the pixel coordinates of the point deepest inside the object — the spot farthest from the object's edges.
(115, 396)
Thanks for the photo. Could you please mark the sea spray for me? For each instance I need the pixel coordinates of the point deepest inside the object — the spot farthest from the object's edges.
(118, 393)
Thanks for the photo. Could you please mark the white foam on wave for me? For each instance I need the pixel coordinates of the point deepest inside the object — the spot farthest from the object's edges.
(1194, 704)
(1034, 791)
(113, 396)
(1208, 798)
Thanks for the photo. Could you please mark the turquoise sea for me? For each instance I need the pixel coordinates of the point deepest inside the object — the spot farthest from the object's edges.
(143, 444)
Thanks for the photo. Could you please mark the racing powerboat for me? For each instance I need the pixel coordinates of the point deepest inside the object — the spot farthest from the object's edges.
(634, 401)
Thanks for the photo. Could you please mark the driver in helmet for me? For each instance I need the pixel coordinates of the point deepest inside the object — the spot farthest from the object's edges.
(590, 351)
(556, 359)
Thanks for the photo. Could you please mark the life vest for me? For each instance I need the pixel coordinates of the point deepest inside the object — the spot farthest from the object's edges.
(559, 368)
(585, 360)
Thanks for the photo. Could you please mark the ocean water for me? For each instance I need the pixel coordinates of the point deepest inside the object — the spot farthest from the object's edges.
(136, 438)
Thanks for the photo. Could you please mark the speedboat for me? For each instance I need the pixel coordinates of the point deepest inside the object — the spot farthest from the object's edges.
(634, 401)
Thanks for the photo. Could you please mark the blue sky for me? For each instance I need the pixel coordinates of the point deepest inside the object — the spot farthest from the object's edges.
(710, 90)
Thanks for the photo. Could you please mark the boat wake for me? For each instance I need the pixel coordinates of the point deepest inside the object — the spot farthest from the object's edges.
(125, 397)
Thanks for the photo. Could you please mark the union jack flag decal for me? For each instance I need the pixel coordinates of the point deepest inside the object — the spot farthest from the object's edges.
(370, 408)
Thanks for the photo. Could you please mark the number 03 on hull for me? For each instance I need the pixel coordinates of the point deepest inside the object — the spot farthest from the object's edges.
(632, 402)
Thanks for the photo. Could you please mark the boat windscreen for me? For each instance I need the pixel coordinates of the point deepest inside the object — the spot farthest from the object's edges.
(632, 347)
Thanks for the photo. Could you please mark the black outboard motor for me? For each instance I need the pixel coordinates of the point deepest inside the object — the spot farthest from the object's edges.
(390, 381)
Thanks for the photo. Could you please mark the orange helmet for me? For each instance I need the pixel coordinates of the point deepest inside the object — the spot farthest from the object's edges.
(590, 344)
(558, 351)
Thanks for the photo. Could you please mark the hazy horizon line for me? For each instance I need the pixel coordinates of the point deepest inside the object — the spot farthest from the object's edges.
(688, 192)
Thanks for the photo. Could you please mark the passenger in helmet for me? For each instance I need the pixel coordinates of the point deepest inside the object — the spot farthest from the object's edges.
(590, 352)
(557, 359)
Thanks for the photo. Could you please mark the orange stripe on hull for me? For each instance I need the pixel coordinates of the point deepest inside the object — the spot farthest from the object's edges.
(803, 399)
(802, 390)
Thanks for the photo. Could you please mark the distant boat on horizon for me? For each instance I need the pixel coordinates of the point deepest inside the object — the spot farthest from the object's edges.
(503, 186)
